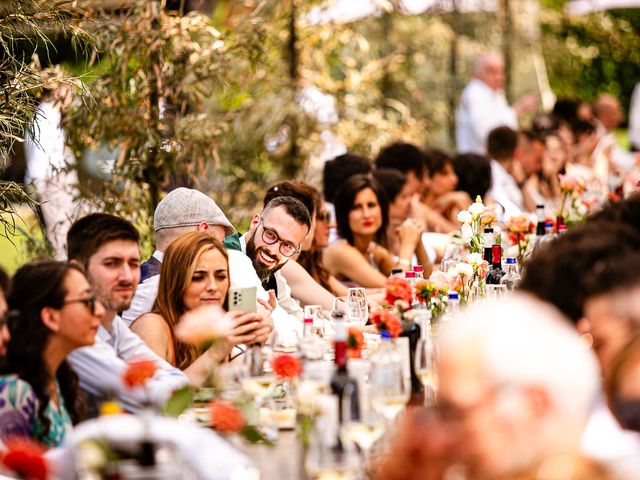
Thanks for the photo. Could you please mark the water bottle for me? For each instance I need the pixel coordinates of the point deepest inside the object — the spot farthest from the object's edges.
(512, 278)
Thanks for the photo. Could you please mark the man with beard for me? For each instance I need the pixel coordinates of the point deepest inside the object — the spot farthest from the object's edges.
(275, 236)
(107, 247)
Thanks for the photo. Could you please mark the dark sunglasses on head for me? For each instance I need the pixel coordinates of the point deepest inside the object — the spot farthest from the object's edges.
(89, 302)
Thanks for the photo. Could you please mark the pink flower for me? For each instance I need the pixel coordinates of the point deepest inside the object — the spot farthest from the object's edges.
(440, 280)
(203, 324)
(519, 223)
(570, 183)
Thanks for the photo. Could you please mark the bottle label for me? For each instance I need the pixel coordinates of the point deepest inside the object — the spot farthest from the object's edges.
(496, 254)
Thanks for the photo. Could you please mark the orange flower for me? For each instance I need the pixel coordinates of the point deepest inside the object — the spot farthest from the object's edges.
(386, 320)
(225, 417)
(355, 341)
(26, 458)
(286, 366)
(519, 224)
(572, 182)
(398, 289)
(138, 372)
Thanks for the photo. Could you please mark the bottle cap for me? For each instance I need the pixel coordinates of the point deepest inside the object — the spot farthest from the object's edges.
(511, 261)
(454, 296)
(562, 228)
(385, 335)
(409, 274)
(418, 268)
(396, 271)
(548, 224)
(308, 320)
(488, 230)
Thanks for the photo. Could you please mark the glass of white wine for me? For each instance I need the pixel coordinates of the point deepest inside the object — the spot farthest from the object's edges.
(363, 427)
(425, 363)
(390, 396)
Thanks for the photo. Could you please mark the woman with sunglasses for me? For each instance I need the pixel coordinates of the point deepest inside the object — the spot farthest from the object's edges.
(195, 272)
(52, 311)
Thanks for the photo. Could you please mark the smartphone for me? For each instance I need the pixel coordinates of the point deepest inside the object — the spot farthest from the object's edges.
(242, 299)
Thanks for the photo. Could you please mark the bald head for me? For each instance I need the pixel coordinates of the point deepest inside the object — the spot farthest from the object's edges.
(606, 109)
(489, 69)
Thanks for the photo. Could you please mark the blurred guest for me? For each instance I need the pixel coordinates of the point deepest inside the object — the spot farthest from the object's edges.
(4, 330)
(529, 158)
(398, 192)
(51, 164)
(483, 105)
(506, 189)
(413, 162)
(107, 247)
(442, 195)
(39, 395)
(338, 170)
(513, 409)
(195, 272)
(623, 386)
(362, 216)
(474, 174)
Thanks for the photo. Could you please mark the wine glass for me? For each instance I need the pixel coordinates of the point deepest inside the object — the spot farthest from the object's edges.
(389, 390)
(358, 310)
(315, 312)
(425, 366)
(496, 292)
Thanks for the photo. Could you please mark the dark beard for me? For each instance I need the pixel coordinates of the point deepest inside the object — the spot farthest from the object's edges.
(263, 271)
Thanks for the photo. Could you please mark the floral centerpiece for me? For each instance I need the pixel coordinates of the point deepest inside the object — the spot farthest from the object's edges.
(519, 228)
(473, 220)
(25, 457)
(355, 342)
(572, 186)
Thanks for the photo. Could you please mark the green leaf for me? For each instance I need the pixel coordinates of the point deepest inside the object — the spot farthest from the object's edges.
(179, 402)
(253, 435)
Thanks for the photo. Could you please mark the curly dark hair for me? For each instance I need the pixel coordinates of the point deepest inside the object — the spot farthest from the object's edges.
(29, 335)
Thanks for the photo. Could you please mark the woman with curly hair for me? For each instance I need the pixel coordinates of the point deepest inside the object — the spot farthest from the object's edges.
(52, 311)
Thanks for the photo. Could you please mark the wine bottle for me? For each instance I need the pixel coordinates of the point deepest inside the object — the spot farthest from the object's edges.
(341, 383)
(496, 273)
(488, 242)
(540, 228)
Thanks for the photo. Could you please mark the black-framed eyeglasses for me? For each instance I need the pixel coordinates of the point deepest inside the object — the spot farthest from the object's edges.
(271, 237)
(89, 302)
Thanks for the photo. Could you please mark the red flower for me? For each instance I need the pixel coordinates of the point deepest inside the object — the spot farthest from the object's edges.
(138, 372)
(386, 320)
(398, 289)
(355, 342)
(26, 458)
(225, 417)
(286, 366)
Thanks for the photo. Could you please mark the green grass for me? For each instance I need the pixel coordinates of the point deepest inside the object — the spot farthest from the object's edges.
(14, 246)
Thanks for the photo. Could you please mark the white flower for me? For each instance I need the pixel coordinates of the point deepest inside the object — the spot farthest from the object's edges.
(464, 216)
(474, 259)
(467, 232)
(464, 269)
(582, 209)
(476, 209)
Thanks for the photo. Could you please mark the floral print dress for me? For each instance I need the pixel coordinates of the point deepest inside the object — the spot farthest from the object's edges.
(19, 413)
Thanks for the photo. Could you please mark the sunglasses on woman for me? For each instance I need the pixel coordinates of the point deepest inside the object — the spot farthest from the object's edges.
(89, 302)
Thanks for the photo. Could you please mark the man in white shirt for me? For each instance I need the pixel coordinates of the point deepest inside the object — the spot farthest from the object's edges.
(275, 236)
(50, 166)
(107, 247)
(505, 190)
(483, 105)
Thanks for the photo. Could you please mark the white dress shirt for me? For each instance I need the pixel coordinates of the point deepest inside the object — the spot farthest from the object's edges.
(481, 110)
(505, 192)
(101, 366)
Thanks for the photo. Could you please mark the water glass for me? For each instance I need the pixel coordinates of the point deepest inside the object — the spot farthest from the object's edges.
(425, 363)
(495, 292)
(357, 307)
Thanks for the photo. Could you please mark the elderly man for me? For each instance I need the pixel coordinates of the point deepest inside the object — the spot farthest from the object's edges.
(517, 384)
(483, 105)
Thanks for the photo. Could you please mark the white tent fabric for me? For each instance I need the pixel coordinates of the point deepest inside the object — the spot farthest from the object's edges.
(581, 7)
